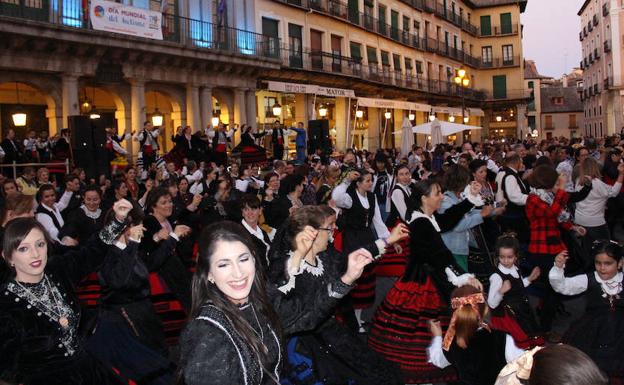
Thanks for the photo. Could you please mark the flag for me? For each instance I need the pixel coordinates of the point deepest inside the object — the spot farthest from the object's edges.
(221, 13)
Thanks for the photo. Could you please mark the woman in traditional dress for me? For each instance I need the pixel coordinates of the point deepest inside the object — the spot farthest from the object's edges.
(42, 328)
(400, 329)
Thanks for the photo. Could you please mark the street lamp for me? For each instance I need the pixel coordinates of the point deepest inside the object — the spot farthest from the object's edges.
(94, 114)
(411, 116)
(277, 109)
(452, 119)
(466, 119)
(358, 114)
(157, 117)
(432, 116)
(19, 116)
(463, 81)
(322, 110)
(215, 119)
(499, 118)
(387, 114)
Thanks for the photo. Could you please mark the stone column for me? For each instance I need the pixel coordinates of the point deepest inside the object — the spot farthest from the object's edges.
(193, 118)
(137, 113)
(374, 128)
(205, 101)
(55, 120)
(240, 112)
(342, 110)
(251, 107)
(70, 97)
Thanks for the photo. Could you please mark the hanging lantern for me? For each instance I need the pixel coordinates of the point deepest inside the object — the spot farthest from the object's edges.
(411, 116)
(432, 117)
(277, 109)
(466, 119)
(19, 116)
(157, 118)
(322, 111)
(388, 114)
(452, 119)
(499, 118)
(94, 114)
(359, 114)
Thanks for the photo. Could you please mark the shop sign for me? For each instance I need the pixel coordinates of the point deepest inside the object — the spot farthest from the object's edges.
(335, 92)
(295, 88)
(119, 18)
(393, 104)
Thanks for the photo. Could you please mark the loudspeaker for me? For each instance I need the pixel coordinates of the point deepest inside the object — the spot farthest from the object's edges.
(88, 140)
(318, 136)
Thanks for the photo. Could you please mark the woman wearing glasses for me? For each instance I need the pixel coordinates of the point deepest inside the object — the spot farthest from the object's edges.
(304, 265)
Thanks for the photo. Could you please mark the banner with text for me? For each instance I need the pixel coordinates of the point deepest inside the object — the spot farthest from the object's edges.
(297, 88)
(119, 18)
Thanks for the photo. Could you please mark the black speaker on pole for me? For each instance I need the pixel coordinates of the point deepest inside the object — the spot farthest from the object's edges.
(88, 140)
(318, 136)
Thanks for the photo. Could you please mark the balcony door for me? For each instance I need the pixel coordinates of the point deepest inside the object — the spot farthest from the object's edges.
(316, 49)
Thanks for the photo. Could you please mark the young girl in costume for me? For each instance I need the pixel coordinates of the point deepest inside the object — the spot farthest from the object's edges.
(600, 332)
(511, 312)
(477, 352)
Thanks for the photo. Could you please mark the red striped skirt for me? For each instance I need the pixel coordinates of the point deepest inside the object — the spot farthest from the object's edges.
(400, 330)
(509, 325)
(393, 264)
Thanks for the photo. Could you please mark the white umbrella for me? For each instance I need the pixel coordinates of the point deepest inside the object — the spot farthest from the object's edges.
(407, 137)
(436, 133)
(447, 128)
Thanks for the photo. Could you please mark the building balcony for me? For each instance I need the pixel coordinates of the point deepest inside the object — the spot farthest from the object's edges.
(584, 31)
(596, 90)
(549, 127)
(607, 83)
(573, 127)
(499, 62)
(605, 9)
(175, 29)
(319, 61)
(596, 54)
(590, 26)
(595, 20)
(591, 57)
(500, 31)
(581, 65)
(581, 36)
(607, 46)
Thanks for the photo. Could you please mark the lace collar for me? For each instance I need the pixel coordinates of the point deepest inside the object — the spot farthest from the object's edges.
(91, 214)
(294, 271)
(419, 214)
(513, 271)
(612, 286)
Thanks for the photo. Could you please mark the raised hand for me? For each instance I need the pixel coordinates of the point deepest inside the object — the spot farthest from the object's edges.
(357, 261)
(181, 230)
(121, 208)
(535, 273)
(505, 287)
(561, 259)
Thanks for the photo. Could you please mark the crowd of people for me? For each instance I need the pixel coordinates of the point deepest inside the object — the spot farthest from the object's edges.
(497, 262)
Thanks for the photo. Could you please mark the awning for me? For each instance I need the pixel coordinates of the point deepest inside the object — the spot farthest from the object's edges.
(393, 104)
(296, 88)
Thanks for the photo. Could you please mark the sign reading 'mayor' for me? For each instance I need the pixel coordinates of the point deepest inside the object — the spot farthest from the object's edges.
(119, 18)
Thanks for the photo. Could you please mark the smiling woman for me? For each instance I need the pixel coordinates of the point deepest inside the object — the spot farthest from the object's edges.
(232, 336)
(42, 329)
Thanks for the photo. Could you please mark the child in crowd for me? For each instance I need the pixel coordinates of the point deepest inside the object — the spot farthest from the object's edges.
(477, 352)
(511, 312)
(600, 332)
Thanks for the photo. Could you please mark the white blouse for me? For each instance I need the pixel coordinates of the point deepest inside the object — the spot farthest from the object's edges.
(578, 284)
(496, 282)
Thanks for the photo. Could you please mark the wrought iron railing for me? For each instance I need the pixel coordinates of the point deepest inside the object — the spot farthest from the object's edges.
(176, 29)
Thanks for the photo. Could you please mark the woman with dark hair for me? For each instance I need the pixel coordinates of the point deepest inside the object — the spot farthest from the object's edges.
(42, 328)
(88, 218)
(183, 190)
(328, 181)
(9, 188)
(118, 190)
(158, 229)
(290, 190)
(459, 240)
(48, 212)
(308, 268)
(546, 210)
(233, 336)
(247, 149)
(360, 223)
(600, 332)
(401, 323)
(130, 177)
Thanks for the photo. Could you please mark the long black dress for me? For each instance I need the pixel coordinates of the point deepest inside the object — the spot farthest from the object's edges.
(127, 311)
(400, 328)
(337, 355)
(34, 347)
